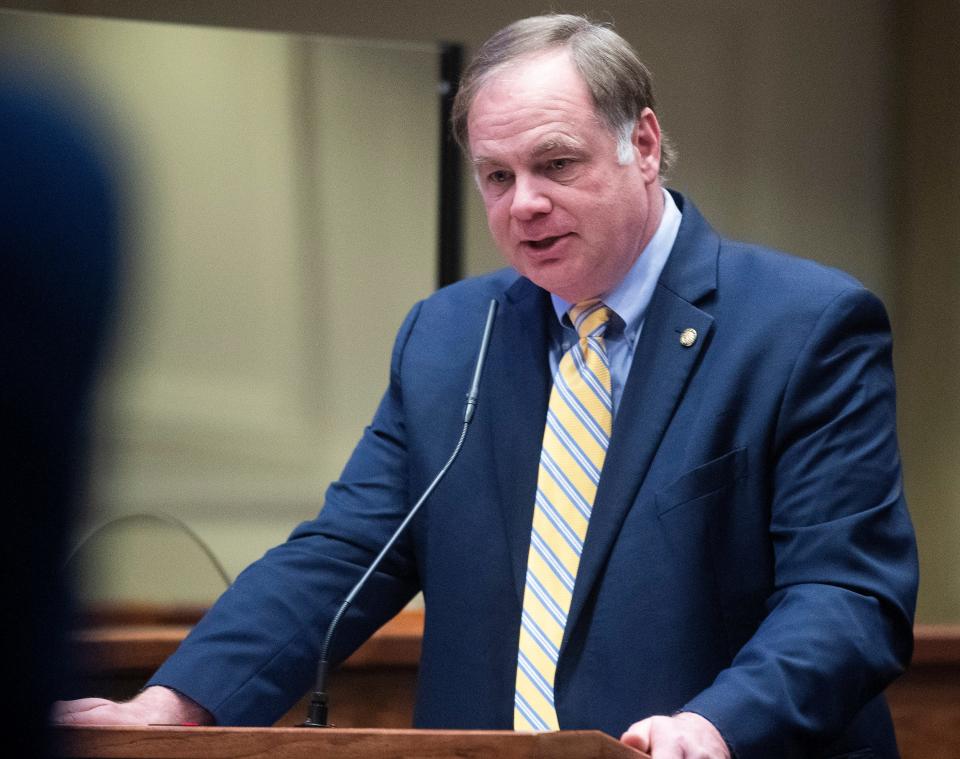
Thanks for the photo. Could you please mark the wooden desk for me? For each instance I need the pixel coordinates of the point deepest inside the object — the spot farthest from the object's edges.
(925, 702)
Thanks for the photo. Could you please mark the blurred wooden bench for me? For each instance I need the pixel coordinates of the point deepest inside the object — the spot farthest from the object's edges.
(118, 649)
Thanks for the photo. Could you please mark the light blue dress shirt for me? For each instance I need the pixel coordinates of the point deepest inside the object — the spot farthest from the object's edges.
(628, 301)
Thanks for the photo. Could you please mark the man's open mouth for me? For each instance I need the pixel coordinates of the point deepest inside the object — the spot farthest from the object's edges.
(545, 243)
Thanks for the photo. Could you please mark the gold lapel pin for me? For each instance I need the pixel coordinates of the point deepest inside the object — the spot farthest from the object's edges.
(688, 337)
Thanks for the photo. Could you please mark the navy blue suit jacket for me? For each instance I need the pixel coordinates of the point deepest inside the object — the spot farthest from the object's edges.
(749, 557)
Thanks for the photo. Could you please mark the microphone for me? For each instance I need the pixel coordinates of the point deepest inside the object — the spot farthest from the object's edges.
(317, 715)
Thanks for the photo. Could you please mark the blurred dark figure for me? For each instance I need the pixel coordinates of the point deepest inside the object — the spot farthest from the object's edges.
(58, 261)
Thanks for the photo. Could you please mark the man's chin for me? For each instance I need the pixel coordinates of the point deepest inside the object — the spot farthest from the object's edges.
(568, 287)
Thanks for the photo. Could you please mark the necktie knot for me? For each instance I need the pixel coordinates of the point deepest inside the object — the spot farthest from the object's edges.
(590, 318)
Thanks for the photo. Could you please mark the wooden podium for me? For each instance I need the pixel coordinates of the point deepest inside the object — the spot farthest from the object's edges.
(375, 687)
(163, 742)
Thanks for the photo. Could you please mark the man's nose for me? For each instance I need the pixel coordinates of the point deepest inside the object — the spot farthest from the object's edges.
(529, 199)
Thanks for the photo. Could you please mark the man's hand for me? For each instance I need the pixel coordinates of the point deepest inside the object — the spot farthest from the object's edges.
(154, 706)
(685, 736)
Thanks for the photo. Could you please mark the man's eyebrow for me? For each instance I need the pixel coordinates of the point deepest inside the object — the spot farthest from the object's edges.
(547, 146)
(555, 143)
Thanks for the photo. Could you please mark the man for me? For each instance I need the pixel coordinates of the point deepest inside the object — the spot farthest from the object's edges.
(741, 576)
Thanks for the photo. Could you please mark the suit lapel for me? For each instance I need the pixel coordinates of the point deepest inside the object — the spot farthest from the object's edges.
(659, 373)
(518, 361)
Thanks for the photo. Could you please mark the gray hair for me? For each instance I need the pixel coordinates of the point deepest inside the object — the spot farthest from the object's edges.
(621, 86)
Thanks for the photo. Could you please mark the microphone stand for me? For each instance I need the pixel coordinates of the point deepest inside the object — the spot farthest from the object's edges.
(317, 715)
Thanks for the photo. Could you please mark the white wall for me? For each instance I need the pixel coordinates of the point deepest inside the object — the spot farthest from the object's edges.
(278, 229)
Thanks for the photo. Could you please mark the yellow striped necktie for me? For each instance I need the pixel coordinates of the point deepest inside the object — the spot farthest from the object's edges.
(575, 438)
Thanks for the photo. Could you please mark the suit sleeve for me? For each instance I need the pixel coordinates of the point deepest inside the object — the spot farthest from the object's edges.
(255, 652)
(839, 620)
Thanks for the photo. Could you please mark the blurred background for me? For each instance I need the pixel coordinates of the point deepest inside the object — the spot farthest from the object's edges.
(279, 167)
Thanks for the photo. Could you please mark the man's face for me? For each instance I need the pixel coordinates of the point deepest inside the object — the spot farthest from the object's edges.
(562, 209)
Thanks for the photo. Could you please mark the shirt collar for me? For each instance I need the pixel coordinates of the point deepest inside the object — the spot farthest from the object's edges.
(629, 299)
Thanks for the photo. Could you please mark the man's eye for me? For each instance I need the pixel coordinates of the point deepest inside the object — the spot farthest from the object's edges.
(559, 164)
(498, 177)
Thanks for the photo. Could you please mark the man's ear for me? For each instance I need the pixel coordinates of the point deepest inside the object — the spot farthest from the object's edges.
(646, 143)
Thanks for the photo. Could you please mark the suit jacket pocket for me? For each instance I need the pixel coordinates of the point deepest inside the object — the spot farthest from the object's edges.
(706, 479)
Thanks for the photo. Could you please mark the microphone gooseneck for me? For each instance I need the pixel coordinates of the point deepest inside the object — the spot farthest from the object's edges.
(317, 715)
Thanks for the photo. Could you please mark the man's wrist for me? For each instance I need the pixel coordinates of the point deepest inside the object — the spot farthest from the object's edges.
(696, 717)
(164, 705)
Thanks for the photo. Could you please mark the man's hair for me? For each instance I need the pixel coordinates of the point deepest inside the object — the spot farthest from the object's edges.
(621, 86)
